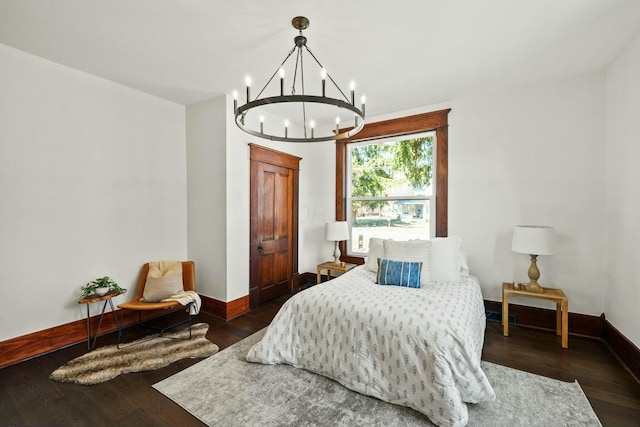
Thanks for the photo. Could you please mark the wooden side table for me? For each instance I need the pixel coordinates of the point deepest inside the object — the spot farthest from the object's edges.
(329, 266)
(551, 294)
(107, 300)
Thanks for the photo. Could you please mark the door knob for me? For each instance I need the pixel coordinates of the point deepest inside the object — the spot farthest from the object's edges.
(260, 248)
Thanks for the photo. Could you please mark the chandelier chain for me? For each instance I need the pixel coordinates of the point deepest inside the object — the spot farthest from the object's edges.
(275, 72)
(328, 75)
(304, 106)
(295, 73)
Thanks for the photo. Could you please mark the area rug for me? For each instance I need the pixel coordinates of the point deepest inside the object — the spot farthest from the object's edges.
(225, 390)
(146, 354)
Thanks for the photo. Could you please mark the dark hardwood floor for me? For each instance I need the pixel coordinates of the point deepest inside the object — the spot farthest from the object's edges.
(29, 398)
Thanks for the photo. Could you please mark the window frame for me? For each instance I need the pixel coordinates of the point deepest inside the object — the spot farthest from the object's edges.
(426, 199)
(435, 121)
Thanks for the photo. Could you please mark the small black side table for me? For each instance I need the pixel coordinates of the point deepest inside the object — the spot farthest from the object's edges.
(107, 300)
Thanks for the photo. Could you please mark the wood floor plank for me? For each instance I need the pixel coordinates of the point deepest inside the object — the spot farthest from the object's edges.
(29, 398)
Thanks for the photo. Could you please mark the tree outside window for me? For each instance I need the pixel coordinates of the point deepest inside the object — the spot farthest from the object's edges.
(389, 190)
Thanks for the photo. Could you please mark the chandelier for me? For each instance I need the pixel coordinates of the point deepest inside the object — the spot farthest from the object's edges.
(308, 116)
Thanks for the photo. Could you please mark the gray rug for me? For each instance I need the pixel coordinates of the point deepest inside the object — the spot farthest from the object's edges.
(225, 390)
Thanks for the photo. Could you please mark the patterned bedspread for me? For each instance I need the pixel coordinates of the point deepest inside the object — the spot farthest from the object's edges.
(419, 348)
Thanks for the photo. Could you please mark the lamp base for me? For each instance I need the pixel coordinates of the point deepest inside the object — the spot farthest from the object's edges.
(534, 275)
(533, 287)
(336, 254)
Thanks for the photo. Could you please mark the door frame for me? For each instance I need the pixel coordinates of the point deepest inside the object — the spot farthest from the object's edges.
(262, 154)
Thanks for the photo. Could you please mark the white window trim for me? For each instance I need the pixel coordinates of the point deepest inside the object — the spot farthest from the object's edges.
(431, 198)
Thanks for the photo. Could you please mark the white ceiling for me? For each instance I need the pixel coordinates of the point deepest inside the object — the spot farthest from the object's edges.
(402, 54)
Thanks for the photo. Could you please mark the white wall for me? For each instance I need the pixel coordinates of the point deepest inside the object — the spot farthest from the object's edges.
(317, 203)
(237, 207)
(526, 155)
(206, 195)
(92, 183)
(532, 155)
(622, 190)
(219, 172)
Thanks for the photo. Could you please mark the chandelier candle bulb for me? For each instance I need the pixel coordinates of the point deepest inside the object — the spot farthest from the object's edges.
(323, 74)
(362, 101)
(353, 93)
(312, 124)
(248, 82)
(235, 102)
(281, 81)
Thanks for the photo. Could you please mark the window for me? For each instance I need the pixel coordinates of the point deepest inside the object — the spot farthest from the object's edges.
(399, 129)
(389, 190)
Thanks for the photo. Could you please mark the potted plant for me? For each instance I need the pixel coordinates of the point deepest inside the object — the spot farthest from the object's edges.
(101, 286)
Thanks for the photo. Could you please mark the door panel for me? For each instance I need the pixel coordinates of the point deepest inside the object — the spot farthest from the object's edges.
(273, 225)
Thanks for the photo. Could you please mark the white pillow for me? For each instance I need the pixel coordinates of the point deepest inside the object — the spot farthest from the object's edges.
(464, 266)
(159, 288)
(376, 250)
(164, 279)
(412, 250)
(445, 259)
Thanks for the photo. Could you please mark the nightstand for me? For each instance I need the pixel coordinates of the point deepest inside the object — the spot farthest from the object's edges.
(329, 266)
(550, 294)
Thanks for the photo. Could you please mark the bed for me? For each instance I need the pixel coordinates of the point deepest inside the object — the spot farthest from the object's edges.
(417, 347)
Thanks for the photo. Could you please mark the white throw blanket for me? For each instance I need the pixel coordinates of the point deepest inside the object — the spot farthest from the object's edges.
(185, 298)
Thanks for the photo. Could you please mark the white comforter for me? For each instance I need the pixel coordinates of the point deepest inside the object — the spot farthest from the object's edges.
(419, 348)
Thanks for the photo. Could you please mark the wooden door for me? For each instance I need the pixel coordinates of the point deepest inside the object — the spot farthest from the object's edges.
(274, 224)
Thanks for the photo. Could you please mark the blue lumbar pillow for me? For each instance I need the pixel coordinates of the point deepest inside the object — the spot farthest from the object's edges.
(399, 273)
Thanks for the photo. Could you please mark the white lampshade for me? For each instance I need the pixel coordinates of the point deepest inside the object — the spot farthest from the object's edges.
(336, 231)
(533, 240)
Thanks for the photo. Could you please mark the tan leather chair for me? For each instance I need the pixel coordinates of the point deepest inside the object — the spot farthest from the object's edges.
(188, 283)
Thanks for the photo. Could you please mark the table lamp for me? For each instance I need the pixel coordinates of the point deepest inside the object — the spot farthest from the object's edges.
(533, 240)
(336, 232)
